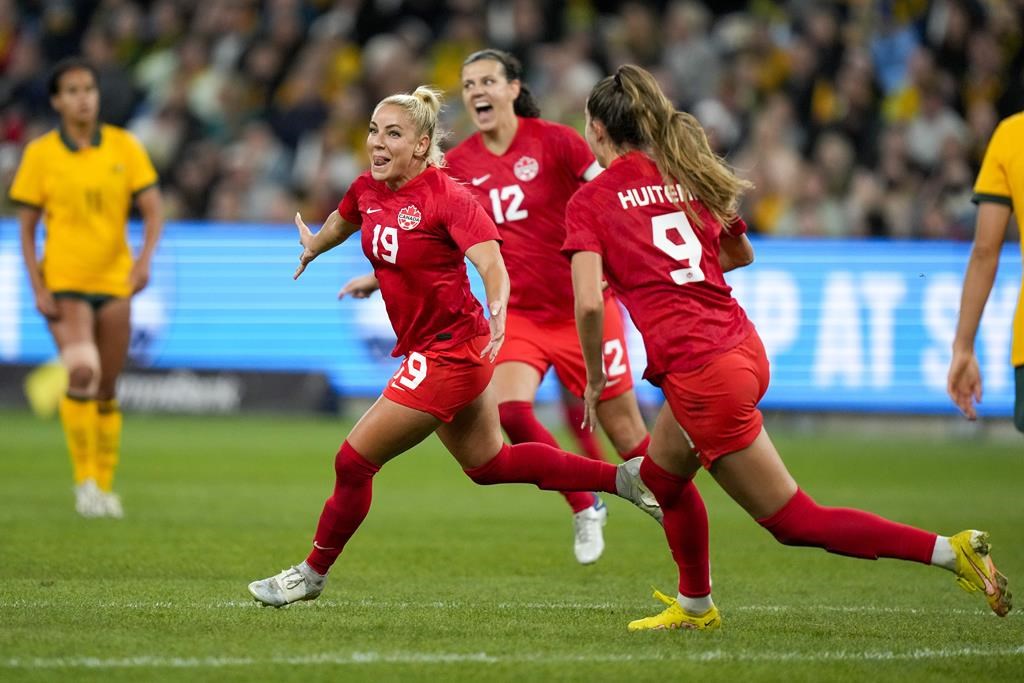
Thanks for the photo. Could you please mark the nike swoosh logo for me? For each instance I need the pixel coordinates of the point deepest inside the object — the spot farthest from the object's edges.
(373, 210)
(481, 180)
(612, 382)
(320, 547)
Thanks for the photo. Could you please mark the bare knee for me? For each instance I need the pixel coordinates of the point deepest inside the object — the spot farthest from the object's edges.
(82, 361)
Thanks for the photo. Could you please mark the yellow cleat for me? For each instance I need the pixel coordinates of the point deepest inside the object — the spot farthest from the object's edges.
(975, 570)
(676, 617)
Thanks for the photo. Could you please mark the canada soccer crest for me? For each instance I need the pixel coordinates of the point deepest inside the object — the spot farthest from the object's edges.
(526, 168)
(409, 217)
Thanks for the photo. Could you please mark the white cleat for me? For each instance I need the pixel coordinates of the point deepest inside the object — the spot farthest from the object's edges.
(291, 585)
(629, 486)
(111, 503)
(89, 499)
(589, 535)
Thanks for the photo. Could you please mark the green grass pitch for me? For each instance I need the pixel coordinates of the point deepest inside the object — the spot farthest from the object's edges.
(447, 581)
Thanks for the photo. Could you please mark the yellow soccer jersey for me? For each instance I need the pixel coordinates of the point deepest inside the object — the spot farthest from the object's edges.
(85, 196)
(1001, 180)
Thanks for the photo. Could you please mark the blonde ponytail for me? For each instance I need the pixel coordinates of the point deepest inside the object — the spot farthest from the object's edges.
(636, 112)
(423, 107)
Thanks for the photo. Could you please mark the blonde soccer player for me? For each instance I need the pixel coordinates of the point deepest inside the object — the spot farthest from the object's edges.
(82, 179)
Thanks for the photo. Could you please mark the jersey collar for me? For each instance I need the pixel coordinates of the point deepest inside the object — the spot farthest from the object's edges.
(70, 144)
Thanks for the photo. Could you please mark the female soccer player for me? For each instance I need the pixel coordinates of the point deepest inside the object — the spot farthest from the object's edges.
(651, 224)
(523, 170)
(84, 177)
(417, 227)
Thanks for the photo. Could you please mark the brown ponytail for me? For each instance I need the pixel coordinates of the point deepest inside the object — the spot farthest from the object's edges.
(636, 113)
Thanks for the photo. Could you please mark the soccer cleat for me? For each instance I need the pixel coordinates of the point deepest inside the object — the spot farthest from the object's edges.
(111, 504)
(291, 585)
(676, 617)
(587, 528)
(629, 486)
(89, 499)
(975, 570)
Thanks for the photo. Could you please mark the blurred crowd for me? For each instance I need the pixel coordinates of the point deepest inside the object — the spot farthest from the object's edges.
(853, 118)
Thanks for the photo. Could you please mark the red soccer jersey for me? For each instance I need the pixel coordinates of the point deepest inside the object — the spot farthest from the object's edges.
(416, 238)
(664, 268)
(525, 190)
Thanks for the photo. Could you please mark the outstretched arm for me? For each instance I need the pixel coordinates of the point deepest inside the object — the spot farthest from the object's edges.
(964, 381)
(587, 275)
(486, 258)
(334, 231)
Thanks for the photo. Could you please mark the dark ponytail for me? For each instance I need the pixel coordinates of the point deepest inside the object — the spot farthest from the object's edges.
(525, 105)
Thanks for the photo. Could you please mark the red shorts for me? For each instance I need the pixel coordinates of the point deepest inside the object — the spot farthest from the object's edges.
(717, 403)
(442, 383)
(543, 345)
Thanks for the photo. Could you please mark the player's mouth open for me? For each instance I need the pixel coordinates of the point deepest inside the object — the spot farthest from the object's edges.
(484, 111)
(379, 161)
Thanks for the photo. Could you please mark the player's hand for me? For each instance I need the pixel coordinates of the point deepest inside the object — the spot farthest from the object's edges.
(497, 323)
(139, 276)
(591, 397)
(306, 240)
(360, 287)
(46, 304)
(964, 383)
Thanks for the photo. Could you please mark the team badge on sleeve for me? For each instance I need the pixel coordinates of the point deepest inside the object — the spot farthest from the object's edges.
(409, 217)
(526, 169)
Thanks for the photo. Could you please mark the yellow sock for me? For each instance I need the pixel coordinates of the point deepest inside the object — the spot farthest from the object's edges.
(108, 442)
(78, 416)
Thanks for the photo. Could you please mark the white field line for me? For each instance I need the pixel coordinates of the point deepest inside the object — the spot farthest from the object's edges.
(462, 605)
(363, 658)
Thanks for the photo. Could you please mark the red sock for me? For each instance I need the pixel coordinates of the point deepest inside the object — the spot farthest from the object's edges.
(584, 437)
(686, 526)
(639, 450)
(845, 531)
(345, 510)
(522, 426)
(546, 467)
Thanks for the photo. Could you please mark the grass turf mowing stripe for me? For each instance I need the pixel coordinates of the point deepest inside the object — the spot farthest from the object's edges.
(363, 658)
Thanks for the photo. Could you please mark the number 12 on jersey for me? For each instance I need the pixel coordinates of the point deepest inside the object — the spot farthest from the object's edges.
(513, 212)
(687, 250)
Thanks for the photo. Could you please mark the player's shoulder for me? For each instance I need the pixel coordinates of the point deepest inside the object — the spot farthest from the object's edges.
(441, 185)
(118, 136)
(1011, 127)
(460, 153)
(43, 143)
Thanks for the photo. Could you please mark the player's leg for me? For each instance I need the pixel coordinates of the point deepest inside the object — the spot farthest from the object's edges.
(113, 334)
(621, 420)
(668, 472)
(72, 332)
(385, 431)
(751, 471)
(521, 364)
(757, 479)
(617, 411)
(515, 384)
(1018, 404)
(473, 437)
(572, 410)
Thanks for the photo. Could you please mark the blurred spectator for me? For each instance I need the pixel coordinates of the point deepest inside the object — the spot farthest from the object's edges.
(852, 119)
